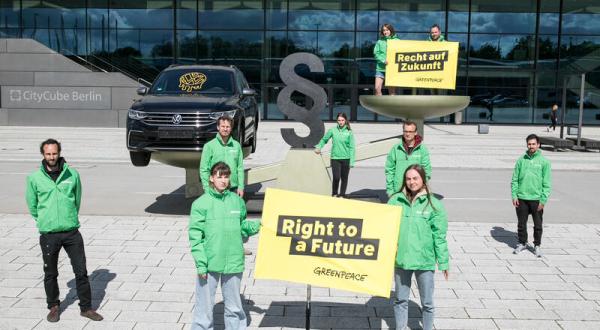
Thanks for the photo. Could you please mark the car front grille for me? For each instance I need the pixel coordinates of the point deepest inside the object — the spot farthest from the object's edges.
(196, 119)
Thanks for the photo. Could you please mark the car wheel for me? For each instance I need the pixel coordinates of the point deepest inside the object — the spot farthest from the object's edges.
(139, 158)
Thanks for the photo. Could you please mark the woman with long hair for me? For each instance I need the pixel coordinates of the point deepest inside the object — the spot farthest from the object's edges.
(421, 245)
(342, 153)
(380, 52)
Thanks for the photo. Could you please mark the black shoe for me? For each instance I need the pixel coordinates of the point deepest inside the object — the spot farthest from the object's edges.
(54, 314)
(92, 315)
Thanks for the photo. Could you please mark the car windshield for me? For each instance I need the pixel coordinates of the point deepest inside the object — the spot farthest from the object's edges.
(194, 81)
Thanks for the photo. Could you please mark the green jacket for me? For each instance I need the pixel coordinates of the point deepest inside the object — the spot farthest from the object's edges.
(398, 161)
(380, 52)
(532, 178)
(440, 39)
(343, 143)
(215, 151)
(54, 205)
(422, 241)
(217, 225)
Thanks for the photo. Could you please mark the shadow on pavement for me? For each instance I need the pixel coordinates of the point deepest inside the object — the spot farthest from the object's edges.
(377, 313)
(505, 236)
(98, 281)
(369, 195)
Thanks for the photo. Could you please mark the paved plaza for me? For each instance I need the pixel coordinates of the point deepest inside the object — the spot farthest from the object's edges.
(142, 277)
(142, 274)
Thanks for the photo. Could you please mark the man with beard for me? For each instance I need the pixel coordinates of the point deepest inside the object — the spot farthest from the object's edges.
(408, 152)
(53, 197)
(530, 187)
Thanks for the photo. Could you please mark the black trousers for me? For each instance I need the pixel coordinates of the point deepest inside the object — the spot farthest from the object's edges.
(340, 169)
(51, 243)
(524, 209)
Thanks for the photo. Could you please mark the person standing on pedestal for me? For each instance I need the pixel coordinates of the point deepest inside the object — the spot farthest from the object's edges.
(342, 153)
(380, 52)
(408, 152)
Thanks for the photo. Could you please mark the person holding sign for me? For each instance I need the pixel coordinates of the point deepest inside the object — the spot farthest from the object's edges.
(342, 153)
(410, 151)
(435, 34)
(380, 51)
(216, 228)
(421, 245)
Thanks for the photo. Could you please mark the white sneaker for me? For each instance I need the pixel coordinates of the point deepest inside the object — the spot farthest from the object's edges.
(537, 251)
(519, 248)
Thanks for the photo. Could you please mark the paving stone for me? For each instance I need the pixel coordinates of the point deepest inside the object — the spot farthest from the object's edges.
(527, 324)
(488, 313)
(533, 314)
(579, 325)
(154, 317)
(170, 306)
(511, 303)
(517, 294)
(476, 294)
(445, 323)
(549, 295)
(578, 315)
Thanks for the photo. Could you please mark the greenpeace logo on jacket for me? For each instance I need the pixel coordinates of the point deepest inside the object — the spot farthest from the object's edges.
(54, 205)
(217, 225)
(422, 241)
(532, 178)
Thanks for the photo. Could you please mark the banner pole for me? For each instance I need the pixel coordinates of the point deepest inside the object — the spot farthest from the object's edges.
(308, 296)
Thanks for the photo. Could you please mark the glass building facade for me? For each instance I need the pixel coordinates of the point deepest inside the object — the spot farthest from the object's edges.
(514, 54)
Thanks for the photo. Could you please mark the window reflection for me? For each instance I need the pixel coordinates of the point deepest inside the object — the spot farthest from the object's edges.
(321, 15)
(413, 16)
(186, 14)
(494, 16)
(580, 53)
(276, 11)
(144, 14)
(502, 51)
(458, 16)
(366, 15)
(581, 17)
(53, 14)
(230, 14)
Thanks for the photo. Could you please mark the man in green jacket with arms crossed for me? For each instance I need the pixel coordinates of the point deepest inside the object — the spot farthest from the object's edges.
(408, 152)
(53, 197)
(223, 148)
(530, 189)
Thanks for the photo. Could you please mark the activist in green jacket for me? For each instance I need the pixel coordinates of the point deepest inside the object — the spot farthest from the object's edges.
(54, 204)
(531, 179)
(217, 151)
(421, 245)
(422, 241)
(343, 143)
(380, 51)
(216, 228)
(400, 158)
(342, 153)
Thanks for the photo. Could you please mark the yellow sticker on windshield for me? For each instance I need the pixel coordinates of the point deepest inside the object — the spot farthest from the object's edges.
(192, 81)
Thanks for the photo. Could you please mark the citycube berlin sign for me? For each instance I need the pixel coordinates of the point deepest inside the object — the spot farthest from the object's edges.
(29, 97)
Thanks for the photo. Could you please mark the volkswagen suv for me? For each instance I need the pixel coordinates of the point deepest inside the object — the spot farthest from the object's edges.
(178, 114)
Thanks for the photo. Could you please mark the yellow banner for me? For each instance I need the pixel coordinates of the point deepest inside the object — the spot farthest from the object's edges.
(425, 64)
(328, 242)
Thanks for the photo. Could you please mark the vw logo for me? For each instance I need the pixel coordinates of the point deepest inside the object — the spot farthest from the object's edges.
(176, 119)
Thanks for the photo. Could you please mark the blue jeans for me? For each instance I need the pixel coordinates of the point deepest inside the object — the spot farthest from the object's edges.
(425, 283)
(235, 318)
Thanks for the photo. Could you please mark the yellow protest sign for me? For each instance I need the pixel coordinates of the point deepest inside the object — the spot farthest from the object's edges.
(421, 64)
(328, 242)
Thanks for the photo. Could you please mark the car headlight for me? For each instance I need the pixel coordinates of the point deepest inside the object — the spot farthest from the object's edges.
(217, 115)
(136, 115)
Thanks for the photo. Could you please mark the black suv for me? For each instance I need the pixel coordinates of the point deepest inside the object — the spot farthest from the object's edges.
(179, 112)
